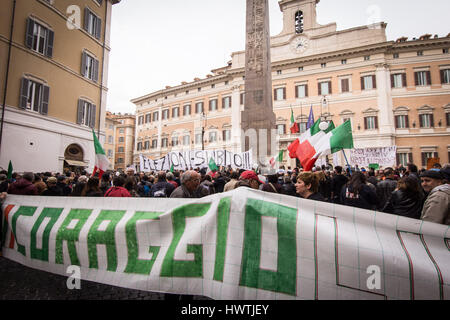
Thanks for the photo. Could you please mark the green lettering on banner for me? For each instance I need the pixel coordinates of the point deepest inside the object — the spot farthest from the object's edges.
(182, 268)
(53, 214)
(223, 217)
(22, 211)
(136, 265)
(70, 235)
(106, 237)
(284, 279)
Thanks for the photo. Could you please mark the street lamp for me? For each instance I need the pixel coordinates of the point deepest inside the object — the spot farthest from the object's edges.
(324, 104)
(203, 118)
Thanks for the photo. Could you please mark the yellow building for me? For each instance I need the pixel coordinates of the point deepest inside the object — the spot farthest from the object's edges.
(110, 138)
(124, 130)
(394, 92)
(53, 62)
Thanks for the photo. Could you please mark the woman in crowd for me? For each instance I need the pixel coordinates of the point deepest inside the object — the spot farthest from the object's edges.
(407, 200)
(117, 190)
(92, 188)
(356, 193)
(307, 186)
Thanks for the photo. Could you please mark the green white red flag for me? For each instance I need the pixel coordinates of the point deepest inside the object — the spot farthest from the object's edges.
(294, 125)
(279, 158)
(101, 161)
(314, 129)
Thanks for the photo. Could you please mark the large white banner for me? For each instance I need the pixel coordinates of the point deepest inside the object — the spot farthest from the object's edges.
(242, 244)
(384, 156)
(185, 160)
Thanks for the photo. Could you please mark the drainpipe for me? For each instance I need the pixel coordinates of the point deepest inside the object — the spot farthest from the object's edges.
(7, 72)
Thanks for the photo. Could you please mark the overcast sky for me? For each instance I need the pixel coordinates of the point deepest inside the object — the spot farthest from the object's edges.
(160, 43)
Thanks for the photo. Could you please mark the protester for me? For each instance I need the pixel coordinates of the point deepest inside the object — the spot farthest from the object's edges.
(130, 185)
(170, 179)
(249, 178)
(230, 185)
(337, 182)
(272, 184)
(105, 183)
(39, 184)
(53, 190)
(307, 186)
(144, 186)
(24, 186)
(288, 187)
(3, 183)
(219, 182)
(324, 185)
(385, 188)
(356, 193)
(162, 188)
(92, 188)
(117, 190)
(207, 185)
(437, 204)
(190, 180)
(62, 183)
(406, 200)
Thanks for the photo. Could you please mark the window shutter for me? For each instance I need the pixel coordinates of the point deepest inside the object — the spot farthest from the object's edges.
(80, 111)
(83, 64)
(396, 121)
(397, 157)
(416, 78)
(424, 159)
(362, 84)
(274, 94)
(98, 28)
(242, 98)
(284, 93)
(410, 157)
(93, 114)
(45, 99)
(296, 91)
(29, 33)
(404, 80)
(420, 121)
(24, 93)
(435, 155)
(431, 120)
(374, 81)
(320, 89)
(96, 67)
(442, 76)
(86, 18)
(428, 73)
(407, 121)
(329, 87)
(365, 123)
(210, 102)
(50, 40)
(376, 122)
(306, 90)
(392, 82)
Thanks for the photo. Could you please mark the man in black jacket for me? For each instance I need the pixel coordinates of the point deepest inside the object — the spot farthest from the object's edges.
(337, 182)
(162, 189)
(385, 188)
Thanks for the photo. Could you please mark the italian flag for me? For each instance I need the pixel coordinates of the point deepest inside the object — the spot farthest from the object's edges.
(325, 143)
(314, 129)
(101, 161)
(294, 125)
(212, 166)
(274, 160)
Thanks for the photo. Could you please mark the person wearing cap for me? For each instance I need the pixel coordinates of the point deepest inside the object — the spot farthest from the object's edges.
(249, 179)
(437, 204)
(53, 190)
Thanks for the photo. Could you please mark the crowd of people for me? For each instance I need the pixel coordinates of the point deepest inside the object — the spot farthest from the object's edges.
(403, 191)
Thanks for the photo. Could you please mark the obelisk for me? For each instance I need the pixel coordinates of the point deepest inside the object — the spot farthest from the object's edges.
(258, 108)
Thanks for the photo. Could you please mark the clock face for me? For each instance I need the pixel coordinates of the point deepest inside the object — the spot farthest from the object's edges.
(300, 44)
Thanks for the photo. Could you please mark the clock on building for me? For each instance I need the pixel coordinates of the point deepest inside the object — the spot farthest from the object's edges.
(299, 44)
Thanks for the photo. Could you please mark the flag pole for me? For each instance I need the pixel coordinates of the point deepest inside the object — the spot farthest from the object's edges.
(349, 168)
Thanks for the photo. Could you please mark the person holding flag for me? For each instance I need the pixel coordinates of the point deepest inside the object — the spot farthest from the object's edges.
(101, 161)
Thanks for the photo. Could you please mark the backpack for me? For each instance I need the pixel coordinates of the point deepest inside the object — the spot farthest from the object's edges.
(160, 193)
(146, 190)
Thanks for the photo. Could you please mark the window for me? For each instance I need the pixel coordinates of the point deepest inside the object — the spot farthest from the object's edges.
(187, 110)
(199, 107)
(344, 61)
(34, 96)
(140, 121)
(121, 130)
(301, 91)
(422, 78)
(371, 123)
(213, 136)
(164, 142)
(368, 82)
(155, 116)
(175, 112)
(324, 88)
(89, 67)
(300, 68)
(120, 160)
(445, 50)
(186, 140)
(419, 53)
(445, 76)
(426, 120)
(299, 22)
(447, 117)
(92, 23)
(281, 128)
(226, 135)
(198, 138)
(226, 102)
(213, 105)
(165, 114)
(154, 143)
(139, 146)
(147, 145)
(398, 80)
(86, 113)
(110, 153)
(278, 71)
(401, 122)
(148, 118)
(121, 139)
(323, 65)
(345, 85)
(110, 139)
(395, 55)
(39, 38)
(279, 94)
(428, 155)
(213, 86)
(303, 126)
(242, 98)
(174, 141)
(226, 82)
(402, 158)
(121, 149)
(199, 89)
(366, 58)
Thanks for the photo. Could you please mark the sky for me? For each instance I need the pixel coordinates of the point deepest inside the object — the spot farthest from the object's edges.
(155, 44)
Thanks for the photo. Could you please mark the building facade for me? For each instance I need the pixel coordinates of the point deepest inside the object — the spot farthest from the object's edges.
(394, 92)
(123, 141)
(53, 62)
(110, 138)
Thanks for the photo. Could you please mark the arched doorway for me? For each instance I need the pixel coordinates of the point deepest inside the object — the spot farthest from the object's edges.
(73, 159)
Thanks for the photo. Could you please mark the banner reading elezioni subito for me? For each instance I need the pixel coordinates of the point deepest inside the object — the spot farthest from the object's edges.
(184, 160)
(243, 244)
